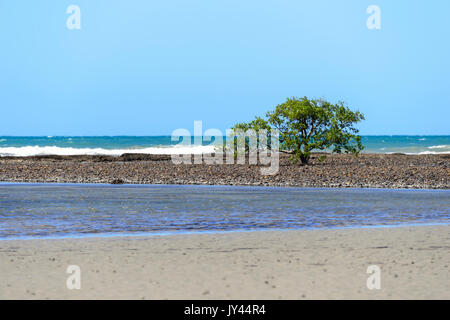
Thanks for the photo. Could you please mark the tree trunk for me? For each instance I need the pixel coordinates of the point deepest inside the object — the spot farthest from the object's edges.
(304, 158)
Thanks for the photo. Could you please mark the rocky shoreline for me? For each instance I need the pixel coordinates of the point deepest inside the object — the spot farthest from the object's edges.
(346, 171)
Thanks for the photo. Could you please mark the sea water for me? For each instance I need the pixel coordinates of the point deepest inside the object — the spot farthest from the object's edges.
(28, 146)
(71, 210)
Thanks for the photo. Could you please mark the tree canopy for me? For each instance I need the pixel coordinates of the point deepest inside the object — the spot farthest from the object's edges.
(306, 125)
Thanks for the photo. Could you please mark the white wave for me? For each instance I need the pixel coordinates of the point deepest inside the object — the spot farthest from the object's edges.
(432, 152)
(2, 140)
(53, 150)
(418, 153)
(443, 146)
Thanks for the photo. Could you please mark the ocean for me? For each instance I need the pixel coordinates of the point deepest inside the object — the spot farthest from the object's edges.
(29, 211)
(28, 146)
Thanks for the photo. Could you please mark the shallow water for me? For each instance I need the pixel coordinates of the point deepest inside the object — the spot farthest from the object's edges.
(52, 210)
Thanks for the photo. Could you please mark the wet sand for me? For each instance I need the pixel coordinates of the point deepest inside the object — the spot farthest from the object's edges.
(316, 264)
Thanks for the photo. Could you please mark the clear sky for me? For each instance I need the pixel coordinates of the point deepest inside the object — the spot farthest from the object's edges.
(148, 67)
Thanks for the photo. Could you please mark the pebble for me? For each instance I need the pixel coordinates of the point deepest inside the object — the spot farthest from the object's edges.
(367, 171)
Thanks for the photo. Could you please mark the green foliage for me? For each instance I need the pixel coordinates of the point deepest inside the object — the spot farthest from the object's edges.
(257, 125)
(311, 124)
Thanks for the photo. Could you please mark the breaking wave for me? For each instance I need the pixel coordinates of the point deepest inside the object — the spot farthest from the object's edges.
(53, 150)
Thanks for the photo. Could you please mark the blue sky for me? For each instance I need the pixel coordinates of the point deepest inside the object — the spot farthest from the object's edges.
(149, 67)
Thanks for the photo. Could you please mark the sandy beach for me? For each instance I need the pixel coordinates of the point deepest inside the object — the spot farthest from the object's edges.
(311, 264)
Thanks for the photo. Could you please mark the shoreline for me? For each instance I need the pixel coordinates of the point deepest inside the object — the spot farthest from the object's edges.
(137, 185)
(393, 171)
(215, 232)
(293, 264)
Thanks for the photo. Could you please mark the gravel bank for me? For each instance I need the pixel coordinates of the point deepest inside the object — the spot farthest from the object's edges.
(366, 171)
